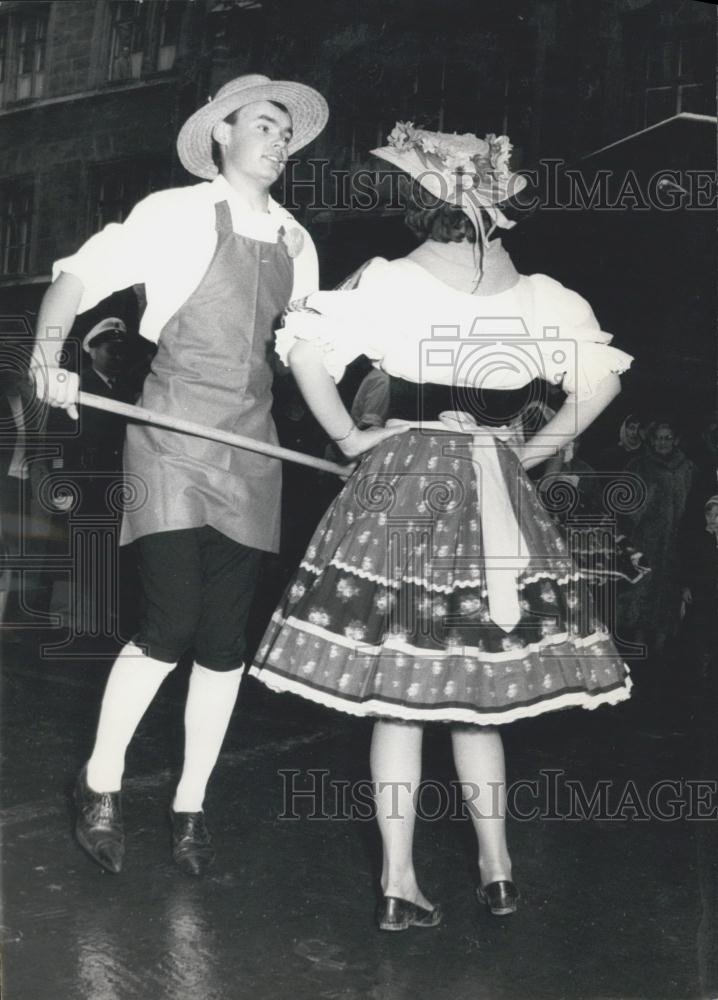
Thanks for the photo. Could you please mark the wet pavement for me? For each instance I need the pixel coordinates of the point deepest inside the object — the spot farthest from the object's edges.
(620, 905)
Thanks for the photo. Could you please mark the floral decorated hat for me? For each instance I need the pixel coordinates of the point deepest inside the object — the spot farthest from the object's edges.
(462, 170)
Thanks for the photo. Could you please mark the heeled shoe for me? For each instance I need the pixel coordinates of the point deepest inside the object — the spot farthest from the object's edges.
(500, 897)
(395, 914)
(192, 849)
(98, 826)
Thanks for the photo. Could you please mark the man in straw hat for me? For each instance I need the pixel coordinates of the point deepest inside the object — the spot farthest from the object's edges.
(220, 261)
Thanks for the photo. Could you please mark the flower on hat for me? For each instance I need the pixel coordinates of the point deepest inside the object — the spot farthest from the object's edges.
(401, 136)
(484, 161)
(459, 169)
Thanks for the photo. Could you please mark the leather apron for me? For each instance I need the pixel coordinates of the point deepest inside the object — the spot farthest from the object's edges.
(213, 366)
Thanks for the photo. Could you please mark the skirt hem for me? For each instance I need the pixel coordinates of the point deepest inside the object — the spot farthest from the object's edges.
(378, 708)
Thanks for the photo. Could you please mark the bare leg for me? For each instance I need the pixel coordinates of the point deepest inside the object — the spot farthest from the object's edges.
(396, 772)
(479, 760)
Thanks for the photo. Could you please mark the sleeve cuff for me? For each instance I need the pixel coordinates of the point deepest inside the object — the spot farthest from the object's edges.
(315, 329)
(592, 364)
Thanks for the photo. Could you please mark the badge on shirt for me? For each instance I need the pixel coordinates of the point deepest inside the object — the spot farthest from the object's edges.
(293, 240)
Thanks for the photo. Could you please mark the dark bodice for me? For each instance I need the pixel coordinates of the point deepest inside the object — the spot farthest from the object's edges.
(489, 407)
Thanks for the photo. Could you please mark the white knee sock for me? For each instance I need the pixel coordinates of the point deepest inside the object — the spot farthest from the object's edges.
(131, 686)
(210, 700)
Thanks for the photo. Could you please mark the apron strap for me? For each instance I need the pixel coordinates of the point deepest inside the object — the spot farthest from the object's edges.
(223, 218)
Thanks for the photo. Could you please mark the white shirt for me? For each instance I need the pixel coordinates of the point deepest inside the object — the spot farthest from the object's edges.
(167, 243)
(414, 326)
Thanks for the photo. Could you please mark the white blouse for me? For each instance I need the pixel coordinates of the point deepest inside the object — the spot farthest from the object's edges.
(414, 326)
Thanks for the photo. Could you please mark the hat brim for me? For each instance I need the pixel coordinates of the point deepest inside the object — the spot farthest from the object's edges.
(107, 337)
(436, 182)
(306, 106)
(112, 325)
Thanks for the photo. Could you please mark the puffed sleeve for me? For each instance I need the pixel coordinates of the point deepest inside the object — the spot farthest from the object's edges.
(344, 324)
(115, 258)
(577, 353)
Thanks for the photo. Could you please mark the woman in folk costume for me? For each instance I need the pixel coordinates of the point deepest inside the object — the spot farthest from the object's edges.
(436, 587)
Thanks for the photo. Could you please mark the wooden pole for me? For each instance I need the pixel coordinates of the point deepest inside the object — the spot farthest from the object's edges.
(211, 433)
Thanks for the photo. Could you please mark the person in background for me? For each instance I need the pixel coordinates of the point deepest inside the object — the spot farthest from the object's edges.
(26, 524)
(649, 612)
(699, 596)
(91, 460)
(705, 454)
(629, 445)
(96, 449)
(13, 480)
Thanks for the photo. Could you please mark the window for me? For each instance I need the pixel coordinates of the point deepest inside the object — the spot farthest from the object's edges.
(15, 227)
(30, 32)
(4, 34)
(129, 33)
(677, 76)
(144, 37)
(118, 186)
(170, 22)
(23, 39)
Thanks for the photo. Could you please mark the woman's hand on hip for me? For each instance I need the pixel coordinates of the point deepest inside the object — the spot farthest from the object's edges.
(357, 442)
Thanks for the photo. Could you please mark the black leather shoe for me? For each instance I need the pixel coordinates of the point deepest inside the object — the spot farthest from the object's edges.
(191, 843)
(399, 915)
(501, 897)
(98, 826)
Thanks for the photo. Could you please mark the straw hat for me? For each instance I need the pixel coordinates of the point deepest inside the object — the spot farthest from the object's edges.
(103, 332)
(462, 170)
(307, 107)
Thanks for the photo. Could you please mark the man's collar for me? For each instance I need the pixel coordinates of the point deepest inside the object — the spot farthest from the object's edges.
(222, 190)
(105, 378)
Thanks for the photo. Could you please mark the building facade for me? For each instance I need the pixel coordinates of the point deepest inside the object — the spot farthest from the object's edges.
(92, 94)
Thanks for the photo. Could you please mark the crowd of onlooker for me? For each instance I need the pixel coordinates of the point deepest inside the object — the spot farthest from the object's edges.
(660, 494)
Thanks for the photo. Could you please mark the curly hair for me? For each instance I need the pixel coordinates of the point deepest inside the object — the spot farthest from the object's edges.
(430, 218)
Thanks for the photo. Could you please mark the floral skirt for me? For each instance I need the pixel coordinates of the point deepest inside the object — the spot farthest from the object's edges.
(388, 614)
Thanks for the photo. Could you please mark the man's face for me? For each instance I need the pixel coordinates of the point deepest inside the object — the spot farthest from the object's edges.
(712, 518)
(255, 145)
(110, 358)
(663, 440)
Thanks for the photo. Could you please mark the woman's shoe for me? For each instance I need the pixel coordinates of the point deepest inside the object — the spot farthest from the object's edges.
(501, 897)
(399, 915)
